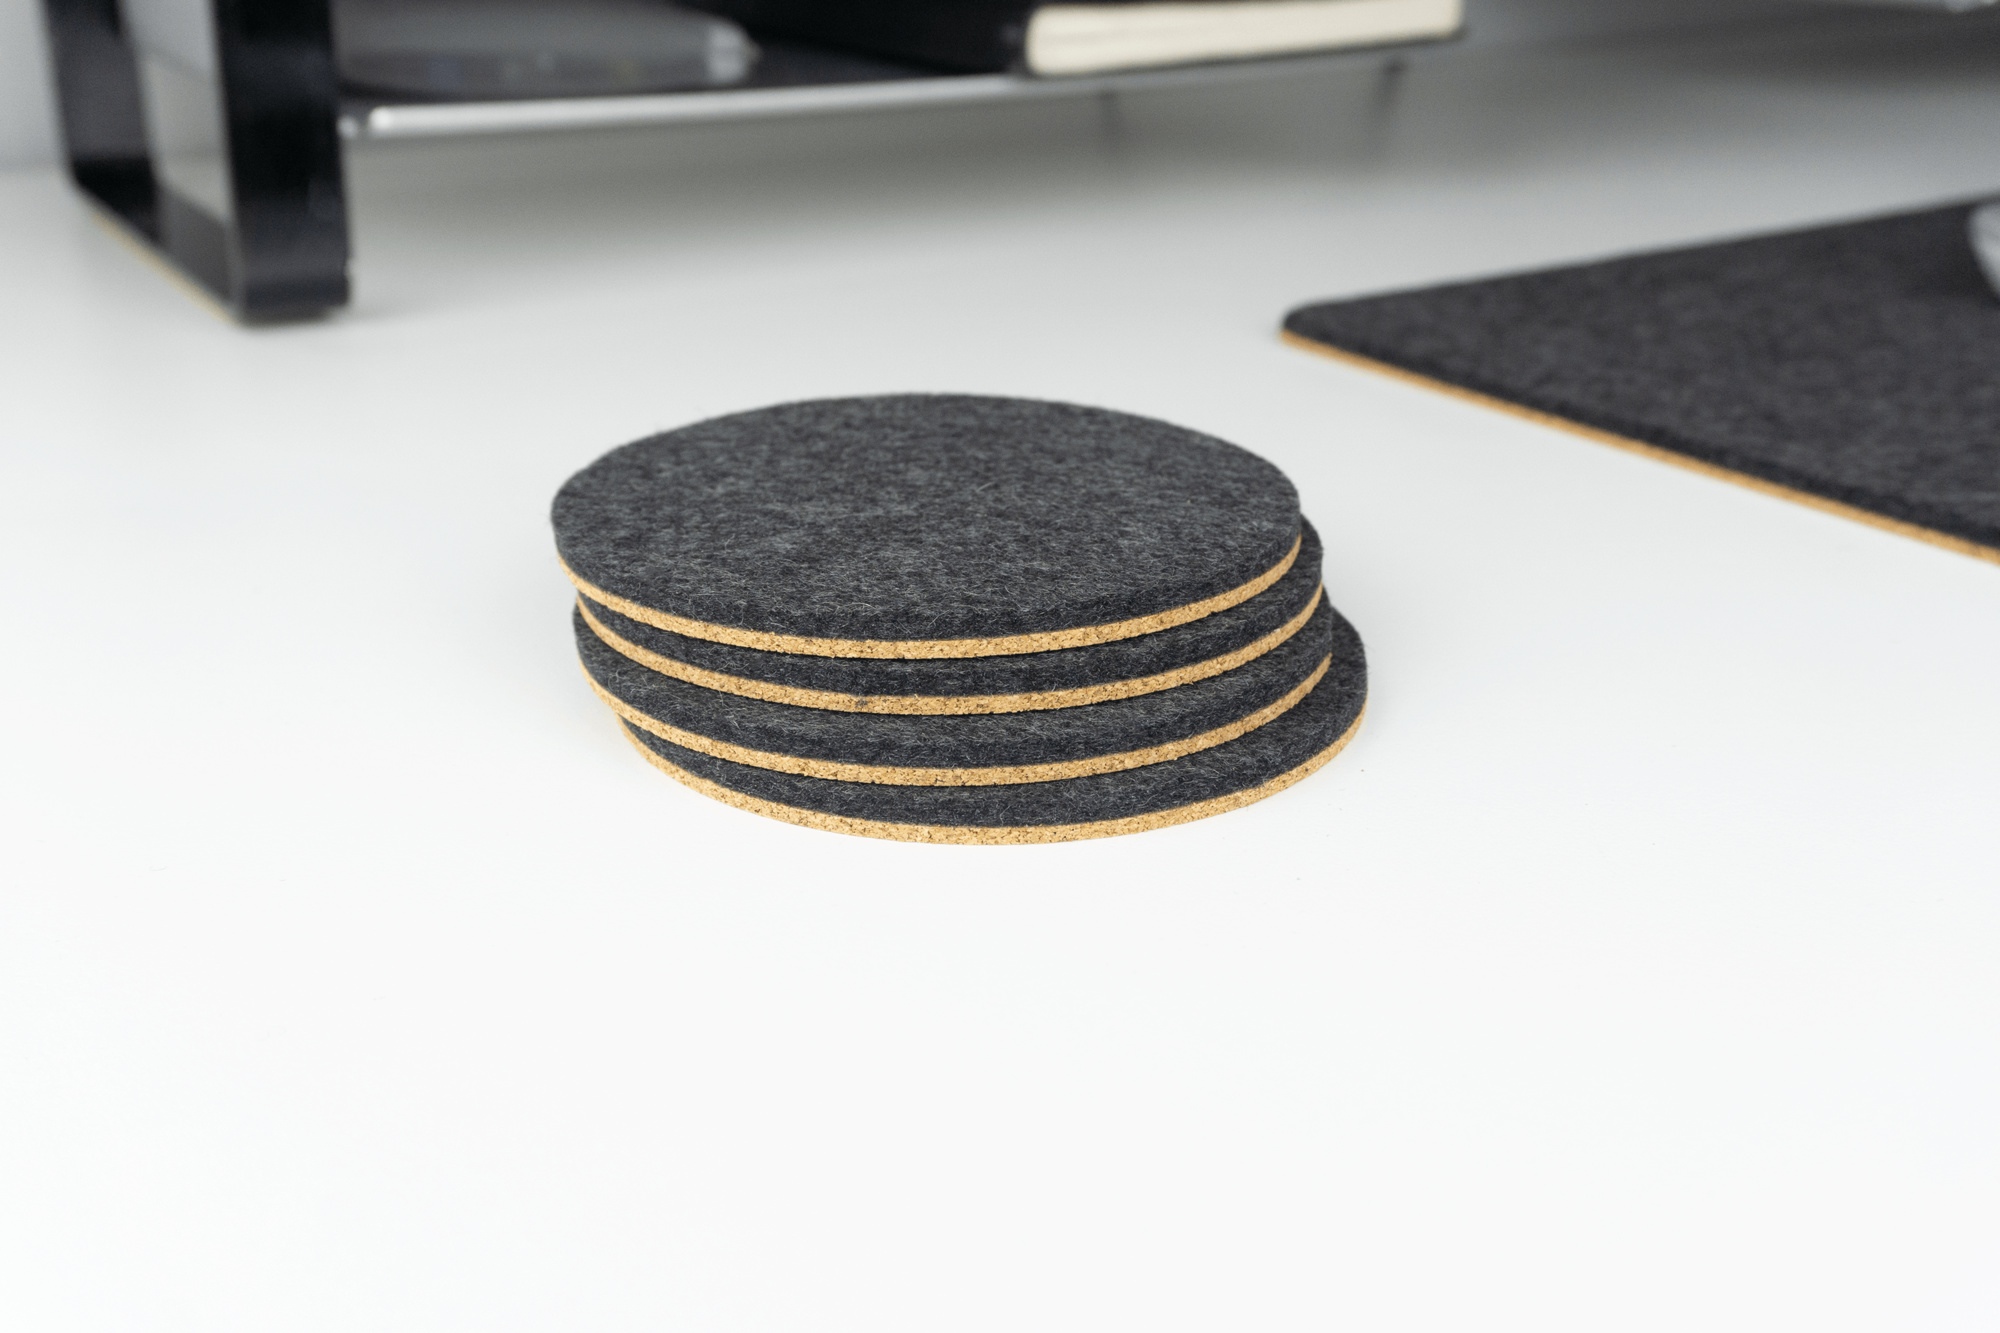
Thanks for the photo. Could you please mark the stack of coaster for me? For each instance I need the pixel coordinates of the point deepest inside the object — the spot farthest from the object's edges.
(959, 619)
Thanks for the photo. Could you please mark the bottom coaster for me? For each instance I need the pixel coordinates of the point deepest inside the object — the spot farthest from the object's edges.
(1245, 770)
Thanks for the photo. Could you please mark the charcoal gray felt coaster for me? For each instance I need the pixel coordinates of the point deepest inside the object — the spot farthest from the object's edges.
(1253, 766)
(1855, 368)
(1064, 678)
(925, 526)
(962, 750)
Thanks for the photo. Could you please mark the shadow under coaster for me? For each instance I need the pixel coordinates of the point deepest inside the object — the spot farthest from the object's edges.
(1853, 368)
(1210, 782)
(925, 526)
(1063, 678)
(968, 750)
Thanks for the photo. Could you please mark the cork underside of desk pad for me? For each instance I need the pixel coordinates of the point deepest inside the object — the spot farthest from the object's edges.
(925, 526)
(969, 750)
(1852, 368)
(1021, 682)
(1260, 764)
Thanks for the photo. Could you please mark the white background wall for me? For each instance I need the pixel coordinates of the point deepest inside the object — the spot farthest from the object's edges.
(27, 122)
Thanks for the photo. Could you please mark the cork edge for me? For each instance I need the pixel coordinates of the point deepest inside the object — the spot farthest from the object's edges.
(988, 835)
(996, 776)
(1837, 508)
(940, 705)
(924, 649)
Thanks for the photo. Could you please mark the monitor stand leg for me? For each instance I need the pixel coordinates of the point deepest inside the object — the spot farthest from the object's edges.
(222, 158)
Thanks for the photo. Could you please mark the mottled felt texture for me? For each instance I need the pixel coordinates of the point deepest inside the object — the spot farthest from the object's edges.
(1249, 761)
(924, 517)
(1050, 736)
(1860, 362)
(1019, 673)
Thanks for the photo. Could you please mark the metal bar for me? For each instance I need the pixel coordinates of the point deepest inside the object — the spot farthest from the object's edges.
(432, 120)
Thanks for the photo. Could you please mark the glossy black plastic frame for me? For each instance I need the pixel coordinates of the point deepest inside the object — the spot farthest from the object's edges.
(282, 252)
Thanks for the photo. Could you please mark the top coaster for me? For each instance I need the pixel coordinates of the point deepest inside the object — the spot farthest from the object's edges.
(925, 526)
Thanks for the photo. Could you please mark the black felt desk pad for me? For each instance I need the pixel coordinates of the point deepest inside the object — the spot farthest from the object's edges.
(959, 749)
(1016, 682)
(1859, 364)
(920, 518)
(1261, 757)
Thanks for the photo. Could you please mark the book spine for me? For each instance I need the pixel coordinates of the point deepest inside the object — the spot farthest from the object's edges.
(984, 36)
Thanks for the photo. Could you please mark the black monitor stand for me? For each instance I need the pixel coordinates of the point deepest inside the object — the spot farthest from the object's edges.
(261, 224)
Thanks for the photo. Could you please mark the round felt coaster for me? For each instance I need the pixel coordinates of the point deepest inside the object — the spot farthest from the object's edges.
(1227, 777)
(1022, 682)
(975, 750)
(925, 526)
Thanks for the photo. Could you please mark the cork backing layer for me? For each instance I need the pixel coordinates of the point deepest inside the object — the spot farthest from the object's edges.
(1173, 791)
(993, 776)
(1019, 682)
(950, 705)
(908, 649)
(971, 750)
(1001, 836)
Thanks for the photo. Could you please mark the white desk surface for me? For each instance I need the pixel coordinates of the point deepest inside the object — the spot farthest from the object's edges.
(1635, 969)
